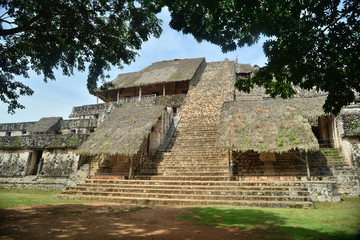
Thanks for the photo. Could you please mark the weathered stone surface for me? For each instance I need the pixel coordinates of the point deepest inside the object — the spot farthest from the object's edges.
(171, 100)
(33, 182)
(9, 127)
(323, 191)
(94, 109)
(79, 123)
(43, 141)
(13, 163)
(349, 185)
(59, 163)
(351, 124)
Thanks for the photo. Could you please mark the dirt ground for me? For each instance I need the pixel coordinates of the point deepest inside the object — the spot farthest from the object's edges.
(109, 221)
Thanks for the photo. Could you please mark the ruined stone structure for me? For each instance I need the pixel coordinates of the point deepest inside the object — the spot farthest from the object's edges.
(177, 132)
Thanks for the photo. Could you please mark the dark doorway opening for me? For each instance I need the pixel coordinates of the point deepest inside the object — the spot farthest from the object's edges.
(34, 163)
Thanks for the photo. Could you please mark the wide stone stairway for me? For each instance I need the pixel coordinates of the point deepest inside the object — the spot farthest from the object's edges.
(192, 171)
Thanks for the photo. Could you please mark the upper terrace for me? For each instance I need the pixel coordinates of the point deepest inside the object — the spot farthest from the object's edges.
(159, 79)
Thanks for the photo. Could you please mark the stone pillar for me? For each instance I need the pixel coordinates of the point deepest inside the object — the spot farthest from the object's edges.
(268, 158)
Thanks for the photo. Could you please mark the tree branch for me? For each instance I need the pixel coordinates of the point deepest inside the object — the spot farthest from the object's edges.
(25, 27)
(4, 14)
(5, 21)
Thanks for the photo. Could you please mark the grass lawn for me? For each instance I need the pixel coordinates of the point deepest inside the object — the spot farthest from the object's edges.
(328, 221)
(29, 197)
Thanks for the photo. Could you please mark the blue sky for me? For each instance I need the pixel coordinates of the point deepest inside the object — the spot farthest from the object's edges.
(56, 98)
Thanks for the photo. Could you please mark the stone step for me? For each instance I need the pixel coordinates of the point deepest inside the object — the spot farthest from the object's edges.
(185, 174)
(205, 196)
(191, 192)
(188, 191)
(208, 152)
(202, 138)
(195, 144)
(183, 178)
(246, 181)
(190, 160)
(182, 166)
(191, 154)
(197, 186)
(190, 168)
(190, 202)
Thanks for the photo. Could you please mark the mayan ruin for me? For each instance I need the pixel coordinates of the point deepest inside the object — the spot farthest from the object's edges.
(179, 133)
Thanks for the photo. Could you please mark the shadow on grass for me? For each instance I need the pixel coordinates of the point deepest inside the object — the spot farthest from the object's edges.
(257, 219)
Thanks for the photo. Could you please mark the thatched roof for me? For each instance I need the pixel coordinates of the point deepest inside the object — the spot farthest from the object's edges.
(160, 72)
(271, 125)
(122, 132)
(244, 68)
(46, 125)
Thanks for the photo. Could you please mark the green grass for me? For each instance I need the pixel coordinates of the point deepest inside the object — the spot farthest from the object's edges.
(27, 197)
(328, 221)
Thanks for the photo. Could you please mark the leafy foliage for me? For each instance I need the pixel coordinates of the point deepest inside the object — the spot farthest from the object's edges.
(311, 44)
(51, 34)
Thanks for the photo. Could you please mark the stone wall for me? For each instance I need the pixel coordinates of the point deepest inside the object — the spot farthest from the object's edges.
(171, 100)
(79, 123)
(33, 182)
(9, 127)
(88, 110)
(175, 100)
(351, 124)
(43, 141)
(323, 191)
(59, 163)
(117, 165)
(348, 185)
(13, 163)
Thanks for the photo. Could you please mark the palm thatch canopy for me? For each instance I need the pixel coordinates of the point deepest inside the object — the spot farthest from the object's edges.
(270, 125)
(244, 68)
(160, 72)
(46, 125)
(122, 132)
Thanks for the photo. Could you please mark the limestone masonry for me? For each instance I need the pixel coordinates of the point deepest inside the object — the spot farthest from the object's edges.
(178, 132)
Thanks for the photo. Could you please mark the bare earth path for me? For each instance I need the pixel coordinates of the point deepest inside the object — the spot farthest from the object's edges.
(109, 221)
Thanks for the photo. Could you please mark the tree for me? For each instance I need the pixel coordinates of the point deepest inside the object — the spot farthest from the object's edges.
(311, 43)
(68, 34)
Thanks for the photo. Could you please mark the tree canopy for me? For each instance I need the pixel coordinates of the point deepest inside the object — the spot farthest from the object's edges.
(311, 43)
(68, 34)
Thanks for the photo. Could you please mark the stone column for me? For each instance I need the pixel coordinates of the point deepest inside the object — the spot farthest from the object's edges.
(268, 158)
(139, 94)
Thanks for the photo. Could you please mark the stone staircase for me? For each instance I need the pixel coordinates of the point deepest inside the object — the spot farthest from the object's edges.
(177, 192)
(192, 171)
(191, 154)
